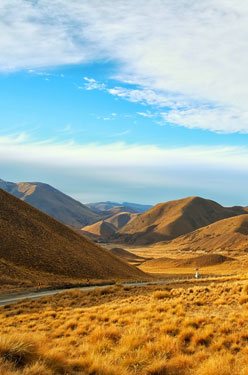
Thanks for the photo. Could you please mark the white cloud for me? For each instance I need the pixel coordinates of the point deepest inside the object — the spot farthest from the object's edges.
(147, 114)
(215, 119)
(92, 84)
(14, 139)
(144, 96)
(179, 111)
(196, 50)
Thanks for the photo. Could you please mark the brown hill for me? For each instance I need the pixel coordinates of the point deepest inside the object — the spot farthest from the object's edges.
(128, 256)
(228, 235)
(102, 230)
(53, 202)
(169, 220)
(121, 219)
(105, 230)
(34, 246)
(196, 262)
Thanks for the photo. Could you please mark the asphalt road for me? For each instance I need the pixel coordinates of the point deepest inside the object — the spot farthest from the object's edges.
(16, 297)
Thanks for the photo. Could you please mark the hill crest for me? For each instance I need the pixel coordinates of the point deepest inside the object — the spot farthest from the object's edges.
(169, 220)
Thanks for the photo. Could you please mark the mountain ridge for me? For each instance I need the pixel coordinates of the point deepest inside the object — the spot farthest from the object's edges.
(52, 202)
(107, 206)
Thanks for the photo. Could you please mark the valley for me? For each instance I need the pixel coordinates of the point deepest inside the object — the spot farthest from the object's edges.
(104, 299)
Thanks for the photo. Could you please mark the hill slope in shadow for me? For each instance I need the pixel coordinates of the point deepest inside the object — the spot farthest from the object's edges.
(34, 244)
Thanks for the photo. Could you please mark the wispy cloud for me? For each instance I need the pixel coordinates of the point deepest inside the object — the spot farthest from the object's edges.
(118, 154)
(92, 84)
(147, 114)
(191, 50)
(14, 139)
(120, 134)
(109, 117)
(194, 115)
(144, 96)
(145, 172)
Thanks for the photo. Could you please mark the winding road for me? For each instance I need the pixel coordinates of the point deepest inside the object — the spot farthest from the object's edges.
(8, 299)
(16, 297)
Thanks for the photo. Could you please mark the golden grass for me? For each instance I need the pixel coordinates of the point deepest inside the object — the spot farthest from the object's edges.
(198, 328)
(238, 265)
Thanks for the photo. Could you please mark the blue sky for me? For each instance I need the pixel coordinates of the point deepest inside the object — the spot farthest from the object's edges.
(108, 107)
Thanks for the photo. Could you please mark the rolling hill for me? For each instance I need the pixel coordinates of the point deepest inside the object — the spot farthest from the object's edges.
(53, 202)
(121, 219)
(128, 256)
(37, 248)
(102, 230)
(229, 236)
(105, 230)
(205, 260)
(167, 221)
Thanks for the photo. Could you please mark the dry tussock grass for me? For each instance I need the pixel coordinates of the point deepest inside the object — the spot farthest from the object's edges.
(190, 329)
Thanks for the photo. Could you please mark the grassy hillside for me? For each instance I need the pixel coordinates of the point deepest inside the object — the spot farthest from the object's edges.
(35, 245)
(228, 236)
(128, 256)
(188, 264)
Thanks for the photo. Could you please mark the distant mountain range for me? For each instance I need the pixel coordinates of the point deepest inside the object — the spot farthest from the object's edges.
(115, 207)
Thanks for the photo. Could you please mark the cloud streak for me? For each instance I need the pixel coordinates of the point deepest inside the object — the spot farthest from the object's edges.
(116, 169)
(47, 152)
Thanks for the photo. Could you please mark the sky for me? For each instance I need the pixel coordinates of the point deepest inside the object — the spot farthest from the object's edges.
(126, 100)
